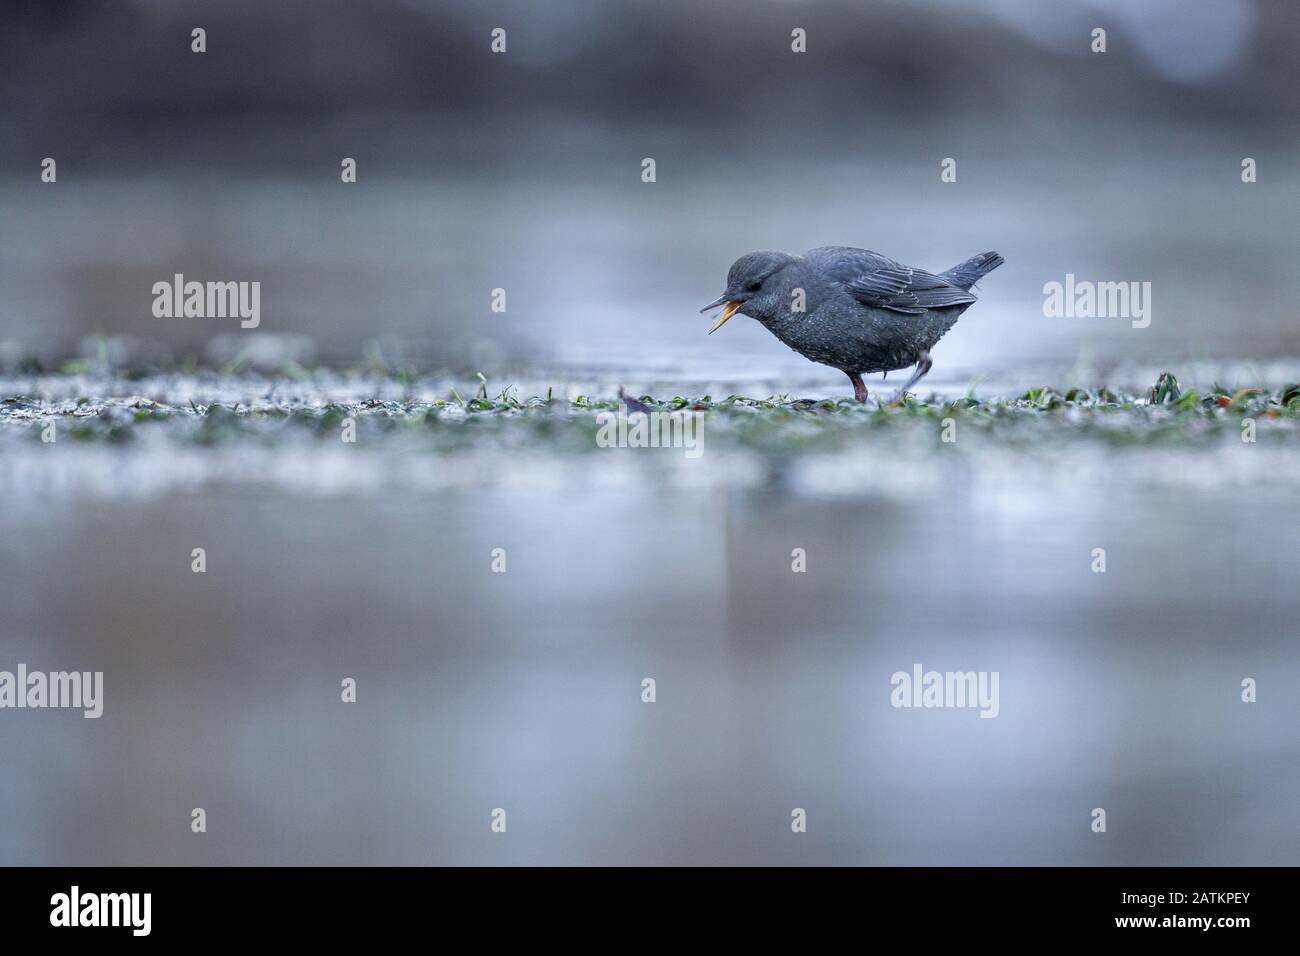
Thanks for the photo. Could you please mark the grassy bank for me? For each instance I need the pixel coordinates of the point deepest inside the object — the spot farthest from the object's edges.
(241, 408)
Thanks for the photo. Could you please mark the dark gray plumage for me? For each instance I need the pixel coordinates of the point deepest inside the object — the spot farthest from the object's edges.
(863, 312)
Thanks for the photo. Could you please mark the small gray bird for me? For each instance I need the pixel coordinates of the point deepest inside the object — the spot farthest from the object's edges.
(852, 309)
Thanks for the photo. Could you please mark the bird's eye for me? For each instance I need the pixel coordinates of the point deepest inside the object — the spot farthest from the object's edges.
(754, 286)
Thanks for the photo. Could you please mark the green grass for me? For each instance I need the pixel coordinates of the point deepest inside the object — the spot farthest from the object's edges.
(1165, 415)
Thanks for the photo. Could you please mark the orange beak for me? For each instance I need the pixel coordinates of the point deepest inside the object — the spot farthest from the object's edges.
(727, 313)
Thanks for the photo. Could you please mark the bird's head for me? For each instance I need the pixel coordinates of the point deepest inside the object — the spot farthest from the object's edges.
(752, 287)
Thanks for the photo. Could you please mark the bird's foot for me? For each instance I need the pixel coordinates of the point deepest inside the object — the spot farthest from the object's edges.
(633, 404)
(923, 365)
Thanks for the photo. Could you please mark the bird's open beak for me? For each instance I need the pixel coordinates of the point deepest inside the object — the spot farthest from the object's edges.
(727, 312)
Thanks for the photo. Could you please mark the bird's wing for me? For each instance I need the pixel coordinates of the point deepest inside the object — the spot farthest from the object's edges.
(879, 281)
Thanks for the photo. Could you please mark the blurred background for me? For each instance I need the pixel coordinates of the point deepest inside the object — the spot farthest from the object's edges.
(522, 690)
(522, 171)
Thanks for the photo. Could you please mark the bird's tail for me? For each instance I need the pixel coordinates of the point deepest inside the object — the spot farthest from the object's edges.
(966, 274)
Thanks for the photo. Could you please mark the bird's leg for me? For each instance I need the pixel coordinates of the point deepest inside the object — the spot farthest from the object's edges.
(859, 387)
(923, 365)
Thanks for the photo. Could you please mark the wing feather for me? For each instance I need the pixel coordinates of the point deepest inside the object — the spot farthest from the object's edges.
(882, 283)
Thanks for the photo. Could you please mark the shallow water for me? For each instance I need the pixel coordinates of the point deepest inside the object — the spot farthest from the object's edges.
(522, 690)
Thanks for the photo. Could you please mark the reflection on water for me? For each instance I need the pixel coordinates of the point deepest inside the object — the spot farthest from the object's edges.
(522, 690)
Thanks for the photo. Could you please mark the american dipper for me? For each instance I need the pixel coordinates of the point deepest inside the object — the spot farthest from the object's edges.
(852, 309)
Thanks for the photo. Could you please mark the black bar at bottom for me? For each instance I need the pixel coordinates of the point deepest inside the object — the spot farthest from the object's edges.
(369, 905)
